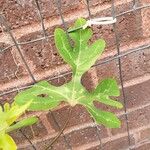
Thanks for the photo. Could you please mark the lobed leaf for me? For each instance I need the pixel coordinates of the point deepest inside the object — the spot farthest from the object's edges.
(81, 55)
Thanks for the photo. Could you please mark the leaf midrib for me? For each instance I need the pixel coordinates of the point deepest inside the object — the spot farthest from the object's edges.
(77, 65)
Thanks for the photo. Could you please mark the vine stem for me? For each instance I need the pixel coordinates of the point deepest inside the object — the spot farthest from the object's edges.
(62, 130)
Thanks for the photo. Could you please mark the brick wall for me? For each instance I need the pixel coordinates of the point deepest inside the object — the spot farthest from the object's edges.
(133, 30)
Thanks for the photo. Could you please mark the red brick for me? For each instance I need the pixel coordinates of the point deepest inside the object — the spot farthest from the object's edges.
(136, 119)
(40, 54)
(18, 137)
(145, 25)
(136, 64)
(20, 13)
(145, 13)
(139, 118)
(7, 65)
(144, 2)
(118, 144)
(94, 148)
(102, 131)
(133, 66)
(35, 131)
(131, 27)
(130, 70)
(108, 70)
(128, 26)
(27, 148)
(83, 136)
(61, 80)
(134, 99)
(145, 134)
(59, 144)
(79, 117)
(7, 98)
(143, 147)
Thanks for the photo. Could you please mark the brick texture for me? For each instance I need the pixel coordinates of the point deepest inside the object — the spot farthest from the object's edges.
(133, 31)
(143, 147)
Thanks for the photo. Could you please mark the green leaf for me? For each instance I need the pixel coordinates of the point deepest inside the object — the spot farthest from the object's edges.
(23, 123)
(102, 117)
(7, 143)
(108, 87)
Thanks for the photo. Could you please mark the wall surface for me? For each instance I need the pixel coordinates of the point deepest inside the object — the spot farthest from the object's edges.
(133, 30)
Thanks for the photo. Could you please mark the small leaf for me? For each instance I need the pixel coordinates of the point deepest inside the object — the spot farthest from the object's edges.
(80, 37)
(23, 123)
(7, 143)
(79, 23)
(102, 117)
(108, 87)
